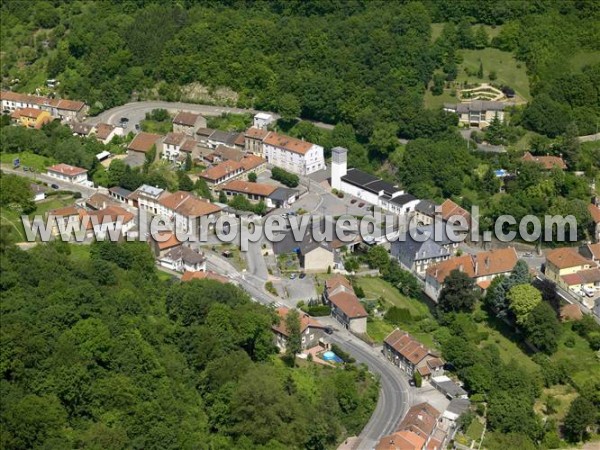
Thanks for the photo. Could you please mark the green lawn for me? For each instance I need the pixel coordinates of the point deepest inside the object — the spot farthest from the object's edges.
(53, 203)
(80, 253)
(437, 101)
(28, 159)
(584, 58)
(500, 334)
(375, 288)
(152, 126)
(13, 220)
(378, 329)
(581, 358)
(230, 122)
(475, 429)
(503, 63)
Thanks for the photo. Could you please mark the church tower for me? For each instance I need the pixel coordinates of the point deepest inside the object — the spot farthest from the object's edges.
(339, 166)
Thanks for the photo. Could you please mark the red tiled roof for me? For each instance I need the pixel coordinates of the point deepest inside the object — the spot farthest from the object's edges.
(401, 440)
(492, 262)
(188, 146)
(336, 281)
(204, 275)
(186, 118)
(66, 169)
(175, 138)
(32, 113)
(112, 214)
(256, 133)
(594, 212)
(305, 321)
(548, 162)
(407, 346)
(143, 142)
(420, 419)
(70, 105)
(250, 162)
(220, 170)
(188, 204)
(65, 211)
(566, 257)
(449, 209)
(349, 304)
(103, 130)
(240, 140)
(167, 239)
(246, 187)
(594, 250)
(582, 277)
(288, 143)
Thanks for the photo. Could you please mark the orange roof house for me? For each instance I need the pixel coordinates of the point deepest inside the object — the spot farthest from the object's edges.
(288, 143)
(547, 162)
(143, 142)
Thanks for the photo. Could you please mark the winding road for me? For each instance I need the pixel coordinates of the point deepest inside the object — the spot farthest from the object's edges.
(136, 111)
(395, 396)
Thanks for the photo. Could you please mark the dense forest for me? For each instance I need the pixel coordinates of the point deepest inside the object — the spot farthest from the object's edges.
(100, 352)
(364, 63)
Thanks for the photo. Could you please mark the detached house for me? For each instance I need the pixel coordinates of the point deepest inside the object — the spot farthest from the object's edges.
(105, 132)
(143, 142)
(182, 258)
(411, 356)
(66, 172)
(31, 117)
(477, 113)
(171, 146)
(547, 162)
(187, 123)
(345, 305)
(565, 261)
(419, 248)
(311, 331)
(482, 268)
(184, 210)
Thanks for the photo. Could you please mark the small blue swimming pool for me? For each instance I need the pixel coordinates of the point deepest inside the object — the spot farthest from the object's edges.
(332, 357)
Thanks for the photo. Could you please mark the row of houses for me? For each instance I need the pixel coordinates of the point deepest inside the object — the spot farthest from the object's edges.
(425, 428)
(62, 109)
(575, 269)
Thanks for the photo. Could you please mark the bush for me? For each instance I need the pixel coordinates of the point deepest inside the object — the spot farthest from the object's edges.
(319, 311)
(342, 354)
(397, 315)
(284, 177)
(270, 288)
(418, 379)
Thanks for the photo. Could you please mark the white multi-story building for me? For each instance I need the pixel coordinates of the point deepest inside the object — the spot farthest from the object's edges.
(263, 120)
(171, 147)
(294, 155)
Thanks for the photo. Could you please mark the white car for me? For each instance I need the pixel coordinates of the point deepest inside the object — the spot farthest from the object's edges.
(588, 291)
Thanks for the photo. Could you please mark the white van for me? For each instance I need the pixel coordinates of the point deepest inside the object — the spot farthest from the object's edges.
(588, 291)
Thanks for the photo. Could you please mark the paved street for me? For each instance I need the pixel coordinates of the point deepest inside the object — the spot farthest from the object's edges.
(64, 185)
(136, 111)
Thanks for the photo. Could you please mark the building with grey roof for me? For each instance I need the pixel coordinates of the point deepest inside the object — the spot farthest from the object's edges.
(477, 113)
(416, 254)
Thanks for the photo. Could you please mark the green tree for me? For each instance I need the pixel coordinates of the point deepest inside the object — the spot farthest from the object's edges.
(188, 162)
(384, 139)
(458, 293)
(184, 182)
(222, 197)
(580, 416)
(542, 328)
(523, 299)
(288, 107)
(481, 38)
(252, 177)
(293, 345)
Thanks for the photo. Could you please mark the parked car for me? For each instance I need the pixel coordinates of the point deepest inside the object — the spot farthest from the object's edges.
(361, 204)
(55, 186)
(293, 276)
(25, 168)
(227, 254)
(137, 127)
(588, 291)
(353, 201)
(527, 254)
(302, 275)
(328, 330)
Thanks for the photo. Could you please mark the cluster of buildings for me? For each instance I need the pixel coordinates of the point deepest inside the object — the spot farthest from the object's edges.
(425, 428)
(575, 269)
(21, 108)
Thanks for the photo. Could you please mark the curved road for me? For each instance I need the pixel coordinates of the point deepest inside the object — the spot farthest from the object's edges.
(136, 111)
(395, 395)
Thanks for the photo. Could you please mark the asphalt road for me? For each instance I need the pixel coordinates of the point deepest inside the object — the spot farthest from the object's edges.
(64, 185)
(395, 396)
(136, 111)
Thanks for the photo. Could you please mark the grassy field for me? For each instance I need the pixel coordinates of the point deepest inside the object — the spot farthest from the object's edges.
(80, 253)
(563, 395)
(38, 162)
(437, 101)
(475, 429)
(583, 58)
(152, 126)
(378, 329)
(13, 220)
(375, 288)
(507, 68)
(580, 357)
(230, 122)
